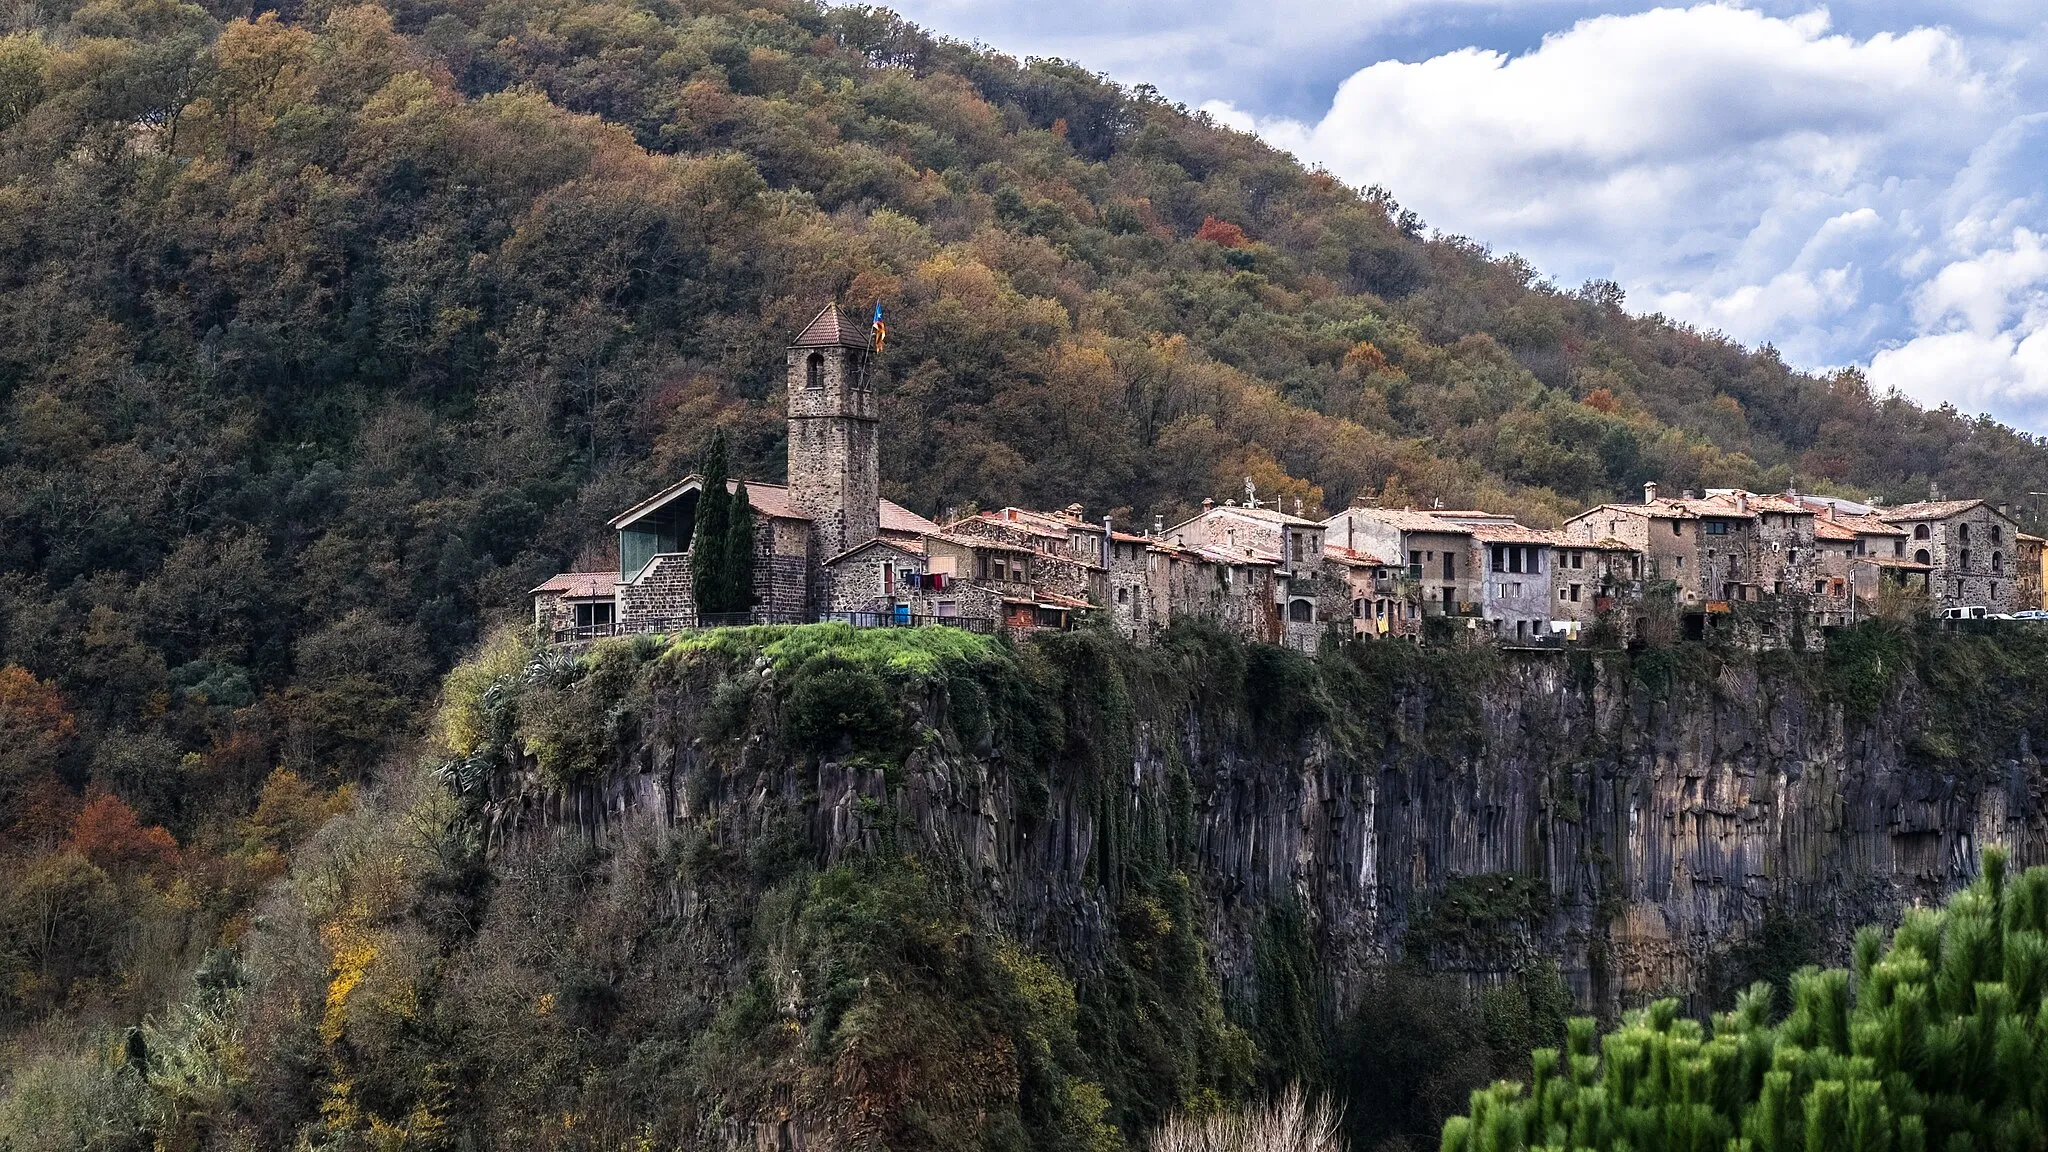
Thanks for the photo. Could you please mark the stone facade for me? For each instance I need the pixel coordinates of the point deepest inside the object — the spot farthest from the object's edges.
(835, 469)
(664, 596)
(1971, 549)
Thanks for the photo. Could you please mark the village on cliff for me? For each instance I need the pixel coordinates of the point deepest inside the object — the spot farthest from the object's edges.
(1770, 570)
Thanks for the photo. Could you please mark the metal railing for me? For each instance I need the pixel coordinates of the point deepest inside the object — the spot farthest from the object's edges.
(581, 633)
(981, 624)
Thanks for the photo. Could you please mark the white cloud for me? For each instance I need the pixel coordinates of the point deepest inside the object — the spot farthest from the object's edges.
(1855, 184)
(1760, 174)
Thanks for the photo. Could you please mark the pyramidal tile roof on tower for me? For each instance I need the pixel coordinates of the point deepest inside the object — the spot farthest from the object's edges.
(828, 329)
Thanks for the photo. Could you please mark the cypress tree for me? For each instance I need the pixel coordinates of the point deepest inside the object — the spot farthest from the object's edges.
(739, 552)
(708, 541)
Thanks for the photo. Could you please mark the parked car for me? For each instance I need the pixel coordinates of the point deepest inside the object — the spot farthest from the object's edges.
(2031, 614)
(1968, 612)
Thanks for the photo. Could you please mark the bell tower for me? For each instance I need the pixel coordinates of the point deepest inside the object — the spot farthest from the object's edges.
(835, 468)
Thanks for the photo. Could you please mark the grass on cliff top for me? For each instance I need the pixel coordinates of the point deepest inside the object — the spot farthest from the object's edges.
(917, 654)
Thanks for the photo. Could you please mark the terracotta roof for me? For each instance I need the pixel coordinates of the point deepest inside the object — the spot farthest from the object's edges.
(1604, 544)
(1408, 520)
(773, 500)
(1263, 515)
(912, 548)
(1665, 509)
(1826, 529)
(828, 329)
(1512, 534)
(1235, 556)
(1895, 562)
(2023, 537)
(581, 585)
(1352, 557)
(981, 542)
(1927, 510)
(897, 518)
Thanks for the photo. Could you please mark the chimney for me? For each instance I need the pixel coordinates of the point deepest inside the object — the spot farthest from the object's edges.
(1742, 502)
(1159, 525)
(1650, 492)
(1688, 494)
(1830, 506)
(1108, 533)
(1207, 503)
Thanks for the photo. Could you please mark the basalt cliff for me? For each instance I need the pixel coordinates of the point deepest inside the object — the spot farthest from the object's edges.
(1631, 817)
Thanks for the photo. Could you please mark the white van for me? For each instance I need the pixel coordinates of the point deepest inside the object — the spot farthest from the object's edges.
(1972, 612)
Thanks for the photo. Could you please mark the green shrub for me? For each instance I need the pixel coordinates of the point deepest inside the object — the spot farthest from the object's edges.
(1939, 1041)
(834, 705)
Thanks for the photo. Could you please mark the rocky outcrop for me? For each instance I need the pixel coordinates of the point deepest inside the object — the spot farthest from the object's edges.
(1558, 806)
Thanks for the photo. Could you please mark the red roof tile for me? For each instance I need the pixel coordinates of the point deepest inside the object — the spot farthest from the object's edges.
(828, 329)
(581, 585)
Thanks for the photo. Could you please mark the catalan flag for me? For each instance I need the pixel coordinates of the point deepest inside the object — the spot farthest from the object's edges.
(881, 329)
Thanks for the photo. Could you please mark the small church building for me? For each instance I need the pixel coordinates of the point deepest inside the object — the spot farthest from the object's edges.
(810, 535)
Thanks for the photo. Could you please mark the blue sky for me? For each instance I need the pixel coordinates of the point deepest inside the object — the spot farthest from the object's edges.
(1858, 184)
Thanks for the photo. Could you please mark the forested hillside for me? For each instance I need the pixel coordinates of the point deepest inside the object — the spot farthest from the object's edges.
(324, 335)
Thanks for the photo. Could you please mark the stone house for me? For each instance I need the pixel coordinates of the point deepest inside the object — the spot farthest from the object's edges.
(878, 578)
(1856, 552)
(1306, 591)
(1971, 550)
(1436, 558)
(1514, 595)
(1665, 533)
(1373, 585)
(577, 603)
(831, 505)
(1009, 582)
(1591, 581)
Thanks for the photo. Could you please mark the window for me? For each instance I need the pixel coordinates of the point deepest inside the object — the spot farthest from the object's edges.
(1123, 595)
(888, 579)
(1575, 593)
(814, 371)
(1577, 559)
(1997, 564)
(1962, 531)
(1301, 612)
(1677, 529)
(1561, 594)
(1299, 544)
(1678, 562)
(1791, 555)
(1994, 533)
(1898, 547)
(1819, 586)
(1966, 557)
(1921, 557)
(1717, 528)
(1450, 566)
(1919, 531)
(1500, 558)
(594, 615)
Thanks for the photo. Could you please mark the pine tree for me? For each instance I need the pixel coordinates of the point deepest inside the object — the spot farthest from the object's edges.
(739, 552)
(1938, 1043)
(708, 542)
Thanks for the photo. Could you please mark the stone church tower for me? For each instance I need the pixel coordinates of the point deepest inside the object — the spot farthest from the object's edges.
(835, 468)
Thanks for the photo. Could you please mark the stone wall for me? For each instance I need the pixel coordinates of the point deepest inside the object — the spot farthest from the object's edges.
(664, 595)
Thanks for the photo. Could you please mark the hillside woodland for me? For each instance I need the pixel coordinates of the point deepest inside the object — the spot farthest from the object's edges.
(326, 331)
